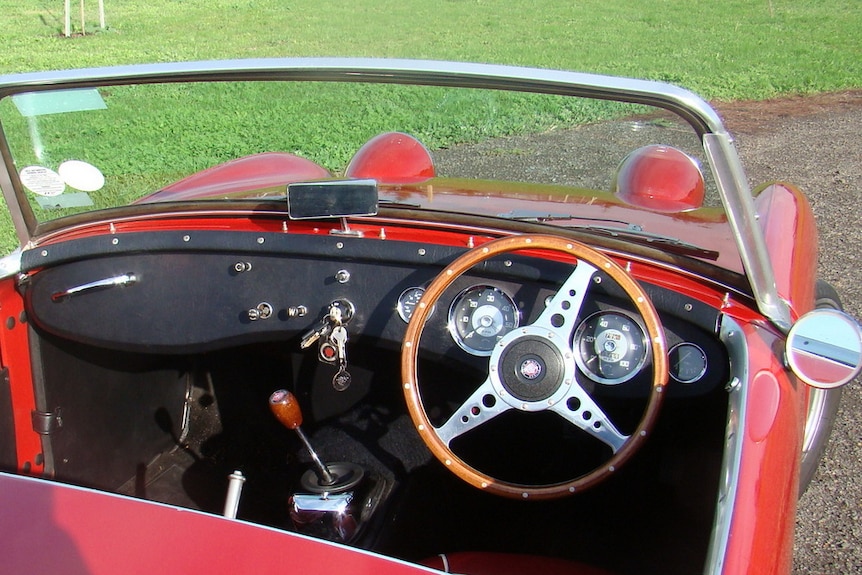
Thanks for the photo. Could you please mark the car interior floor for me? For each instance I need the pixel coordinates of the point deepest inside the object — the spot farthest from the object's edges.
(204, 416)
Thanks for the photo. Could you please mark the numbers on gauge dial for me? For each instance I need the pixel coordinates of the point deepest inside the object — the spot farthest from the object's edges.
(610, 347)
(407, 302)
(480, 316)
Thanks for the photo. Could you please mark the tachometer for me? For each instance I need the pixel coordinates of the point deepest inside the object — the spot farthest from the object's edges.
(610, 347)
(480, 316)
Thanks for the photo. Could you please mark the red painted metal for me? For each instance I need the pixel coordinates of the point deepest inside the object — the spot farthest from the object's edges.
(15, 350)
(660, 178)
(257, 172)
(392, 158)
(791, 240)
(763, 519)
(55, 528)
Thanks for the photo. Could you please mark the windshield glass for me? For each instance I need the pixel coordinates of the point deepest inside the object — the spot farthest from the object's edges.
(559, 159)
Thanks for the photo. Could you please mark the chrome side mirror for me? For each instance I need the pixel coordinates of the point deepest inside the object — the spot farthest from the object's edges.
(824, 348)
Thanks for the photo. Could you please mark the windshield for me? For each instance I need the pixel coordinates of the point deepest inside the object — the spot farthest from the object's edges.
(568, 161)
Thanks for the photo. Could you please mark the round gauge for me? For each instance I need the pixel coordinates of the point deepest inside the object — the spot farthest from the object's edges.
(687, 362)
(407, 302)
(610, 347)
(480, 316)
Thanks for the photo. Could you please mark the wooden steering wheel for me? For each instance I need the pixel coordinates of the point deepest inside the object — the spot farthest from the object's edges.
(541, 354)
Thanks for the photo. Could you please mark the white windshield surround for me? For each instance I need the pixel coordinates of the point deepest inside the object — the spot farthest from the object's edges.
(718, 144)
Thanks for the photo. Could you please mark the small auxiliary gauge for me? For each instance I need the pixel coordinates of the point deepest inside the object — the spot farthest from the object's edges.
(687, 362)
(407, 302)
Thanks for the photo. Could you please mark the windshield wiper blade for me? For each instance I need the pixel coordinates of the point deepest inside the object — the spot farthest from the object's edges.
(640, 236)
(536, 216)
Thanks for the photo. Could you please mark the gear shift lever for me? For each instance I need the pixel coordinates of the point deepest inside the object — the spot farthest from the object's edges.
(286, 410)
(334, 478)
(338, 499)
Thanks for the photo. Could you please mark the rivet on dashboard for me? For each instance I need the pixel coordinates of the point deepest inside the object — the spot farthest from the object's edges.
(260, 240)
(186, 238)
(507, 263)
(115, 241)
(687, 307)
(597, 279)
(339, 245)
(421, 251)
(44, 253)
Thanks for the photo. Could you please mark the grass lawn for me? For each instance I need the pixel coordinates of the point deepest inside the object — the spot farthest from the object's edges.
(730, 49)
(725, 50)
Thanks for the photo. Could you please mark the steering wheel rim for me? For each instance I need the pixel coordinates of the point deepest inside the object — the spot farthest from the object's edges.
(587, 259)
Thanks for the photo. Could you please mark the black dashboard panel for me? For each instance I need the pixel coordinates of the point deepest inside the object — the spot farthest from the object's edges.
(199, 299)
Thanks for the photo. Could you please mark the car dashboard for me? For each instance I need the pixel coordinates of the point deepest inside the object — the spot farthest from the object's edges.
(158, 349)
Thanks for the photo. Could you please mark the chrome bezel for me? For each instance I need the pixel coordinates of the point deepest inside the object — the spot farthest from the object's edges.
(402, 299)
(702, 354)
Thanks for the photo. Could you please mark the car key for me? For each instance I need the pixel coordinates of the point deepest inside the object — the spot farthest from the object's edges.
(342, 378)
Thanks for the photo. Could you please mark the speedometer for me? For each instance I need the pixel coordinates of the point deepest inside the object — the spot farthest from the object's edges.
(610, 347)
(480, 316)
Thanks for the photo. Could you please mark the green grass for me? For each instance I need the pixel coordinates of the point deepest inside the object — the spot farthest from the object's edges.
(725, 50)
(729, 49)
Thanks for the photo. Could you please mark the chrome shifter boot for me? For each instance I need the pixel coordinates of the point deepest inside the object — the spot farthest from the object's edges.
(337, 499)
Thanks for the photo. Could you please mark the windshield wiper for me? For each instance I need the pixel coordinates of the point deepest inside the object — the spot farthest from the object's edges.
(637, 234)
(536, 216)
(631, 231)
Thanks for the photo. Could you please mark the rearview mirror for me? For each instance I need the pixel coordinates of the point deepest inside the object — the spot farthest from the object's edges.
(824, 348)
(331, 199)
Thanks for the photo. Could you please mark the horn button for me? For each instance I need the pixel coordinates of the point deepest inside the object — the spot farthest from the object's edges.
(530, 369)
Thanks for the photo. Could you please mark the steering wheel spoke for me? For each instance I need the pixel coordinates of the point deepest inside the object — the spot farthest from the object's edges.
(482, 406)
(582, 411)
(562, 312)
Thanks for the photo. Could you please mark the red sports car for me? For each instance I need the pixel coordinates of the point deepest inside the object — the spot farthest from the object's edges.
(366, 316)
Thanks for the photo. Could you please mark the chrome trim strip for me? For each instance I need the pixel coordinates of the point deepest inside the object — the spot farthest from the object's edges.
(732, 337)
(742, 217)
(11, 264)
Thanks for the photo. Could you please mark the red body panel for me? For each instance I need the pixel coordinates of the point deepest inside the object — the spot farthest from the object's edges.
(54, 528)
(791, 240)
(761, 532)
(15, 347)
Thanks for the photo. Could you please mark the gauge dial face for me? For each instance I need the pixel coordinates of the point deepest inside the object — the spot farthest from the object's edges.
(480, 316)
(407, 302)
(610, 347)
(687, 362)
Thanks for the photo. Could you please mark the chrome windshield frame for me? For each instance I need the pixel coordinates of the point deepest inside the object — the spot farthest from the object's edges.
(718, 144)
